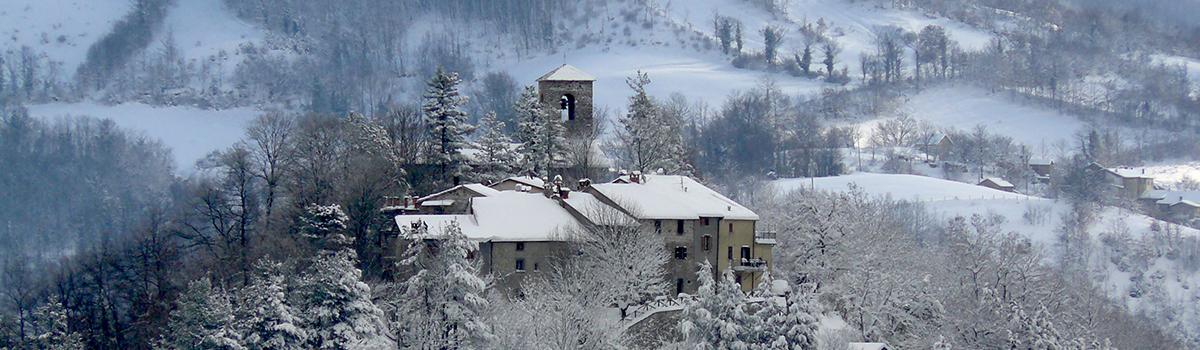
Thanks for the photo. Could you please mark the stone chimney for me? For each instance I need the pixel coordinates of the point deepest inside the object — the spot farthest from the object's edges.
(585, 184)
(635, 177)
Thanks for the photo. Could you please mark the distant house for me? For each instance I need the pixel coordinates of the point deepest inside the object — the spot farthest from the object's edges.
(998, 184)
(516, 183)
(867, 346)
(1129, 182)
(1178, 206)
(1042, 168)
(938, 145)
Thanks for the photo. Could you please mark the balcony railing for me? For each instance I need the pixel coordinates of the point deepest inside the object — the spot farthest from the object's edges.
(752, 264)
(764, 237)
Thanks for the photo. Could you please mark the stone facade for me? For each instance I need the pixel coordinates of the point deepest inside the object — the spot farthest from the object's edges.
(500, 260)
(579, 97)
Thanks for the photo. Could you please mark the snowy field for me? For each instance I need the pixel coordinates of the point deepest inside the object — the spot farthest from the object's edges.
(191, 133)
(964, 107)
(948, 199)
(1170, 175)
(62, 29)
(701, 76)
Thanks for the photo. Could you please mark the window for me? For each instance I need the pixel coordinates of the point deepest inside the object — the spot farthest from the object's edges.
(729, 252)
(706, 242)
(704, 221)
(745, 252)
(657, 226)
(520, 246)
(678, 285)
(681, 253)
(731, 228)
(738, 278)
(520, 264)
(679, 227)
(535, 267)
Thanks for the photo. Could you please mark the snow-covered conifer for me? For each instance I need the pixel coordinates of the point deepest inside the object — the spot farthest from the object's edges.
(788, 323)
(442, 303)
(324, 224)
(52, 329)
(447, 124)
(266, 319)
(541, 135)
(717, 318)
(496, 158)
(203, 319)
(338, 311)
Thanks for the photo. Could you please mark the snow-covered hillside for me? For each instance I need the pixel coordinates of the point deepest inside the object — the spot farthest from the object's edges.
(675, 64)
(191, 133)
(704, 77)
(852, 23)
(1175, 288)
(965, 107)
(61, 29)
(203, 29)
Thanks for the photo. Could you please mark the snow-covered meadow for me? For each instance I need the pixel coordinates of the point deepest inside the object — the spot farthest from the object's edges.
(965, 107)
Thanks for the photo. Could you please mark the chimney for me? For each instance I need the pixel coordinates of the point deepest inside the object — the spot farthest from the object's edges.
(636, 177)
(564, 192)
(585, 184)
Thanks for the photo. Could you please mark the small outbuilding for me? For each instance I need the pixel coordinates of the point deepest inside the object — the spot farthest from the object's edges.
(998, 184)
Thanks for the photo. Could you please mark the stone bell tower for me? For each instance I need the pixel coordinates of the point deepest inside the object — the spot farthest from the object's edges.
(568, 91)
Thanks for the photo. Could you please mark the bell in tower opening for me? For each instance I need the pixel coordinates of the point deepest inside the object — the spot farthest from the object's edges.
(570, 89)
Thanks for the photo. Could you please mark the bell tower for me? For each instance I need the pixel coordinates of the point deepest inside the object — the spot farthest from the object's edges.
(568, 91)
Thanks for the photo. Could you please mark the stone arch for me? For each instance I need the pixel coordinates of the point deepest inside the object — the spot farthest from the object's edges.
(567, 103)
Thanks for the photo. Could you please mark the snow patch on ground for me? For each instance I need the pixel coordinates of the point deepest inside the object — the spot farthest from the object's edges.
(62, 29)
(191, 133)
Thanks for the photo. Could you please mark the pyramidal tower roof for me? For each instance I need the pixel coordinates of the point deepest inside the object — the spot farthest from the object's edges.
(567, 72)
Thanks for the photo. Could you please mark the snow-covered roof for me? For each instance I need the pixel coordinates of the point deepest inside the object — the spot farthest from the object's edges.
(866, 346)
(596, 211)
(567, 72)
(505, 216)
(1040, 161)
(936, 138)
(1130, 172)
(524, 180)
(1176, 197)
(1155, 194)
(477, 188)
(998, 181)
(672, 197)
(438, 203)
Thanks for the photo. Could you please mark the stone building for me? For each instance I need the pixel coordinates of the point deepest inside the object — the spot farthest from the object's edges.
(568, 90)
(519, 232)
